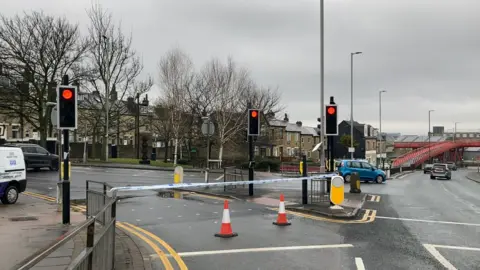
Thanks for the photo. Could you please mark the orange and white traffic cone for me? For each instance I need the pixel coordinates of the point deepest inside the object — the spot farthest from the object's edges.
(226, 228)
(282, 216)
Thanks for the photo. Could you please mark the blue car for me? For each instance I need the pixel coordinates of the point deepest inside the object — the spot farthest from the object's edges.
(365, 170)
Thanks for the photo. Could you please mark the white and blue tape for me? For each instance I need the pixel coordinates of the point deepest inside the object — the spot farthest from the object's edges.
(219, 184)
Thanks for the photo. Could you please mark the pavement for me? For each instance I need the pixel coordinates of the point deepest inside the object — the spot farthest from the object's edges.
(28, 226)
(474, 176)
(33, 224)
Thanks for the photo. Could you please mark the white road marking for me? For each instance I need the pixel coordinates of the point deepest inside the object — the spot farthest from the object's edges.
(179, 216)
(138, 220)
(151, 208)
(159, 218)
(439, 257)
(218, 178)
(247, 250)
(455, 247)
(430, 221)
(133, 209)
(198, 214)
(359, 263)
(215, 212)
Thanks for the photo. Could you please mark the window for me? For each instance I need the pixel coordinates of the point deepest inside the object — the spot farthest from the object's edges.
(309, 154)
(366, 165)
(288, 137)
(355, 164)
(29, 149)
(40, 150)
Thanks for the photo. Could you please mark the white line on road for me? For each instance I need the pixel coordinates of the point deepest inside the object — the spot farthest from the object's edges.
(455, 247)
(246, 250)
(218, 178)
(439, 257)
(359, 263)
(430, 221)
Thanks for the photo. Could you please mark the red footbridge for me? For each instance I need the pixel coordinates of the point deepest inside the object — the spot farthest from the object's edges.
(438, 147)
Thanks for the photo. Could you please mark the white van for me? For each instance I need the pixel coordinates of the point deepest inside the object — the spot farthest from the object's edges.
(13, 175)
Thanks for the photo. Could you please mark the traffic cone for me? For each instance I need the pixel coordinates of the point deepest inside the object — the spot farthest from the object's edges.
(282, 216)
(226, 228)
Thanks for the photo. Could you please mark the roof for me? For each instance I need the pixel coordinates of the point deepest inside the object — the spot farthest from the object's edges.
(309, 131)
(293, 128)
(277, 123)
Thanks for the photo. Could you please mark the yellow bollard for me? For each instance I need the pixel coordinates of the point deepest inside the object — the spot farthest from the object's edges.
(337, 193)
(69, 170)
(300, 169)
(177, 179)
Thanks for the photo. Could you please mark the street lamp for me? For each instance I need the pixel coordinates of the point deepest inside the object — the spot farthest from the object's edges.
(382, 161)
(429, 134)
(351, 100)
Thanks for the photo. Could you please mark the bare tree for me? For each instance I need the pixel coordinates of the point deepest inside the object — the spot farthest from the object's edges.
(36, 50)
(113, 67)
(176, 76)
(230, 84)
(265, 99)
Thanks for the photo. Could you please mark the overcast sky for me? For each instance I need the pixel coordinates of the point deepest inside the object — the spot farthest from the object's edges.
(425, 53)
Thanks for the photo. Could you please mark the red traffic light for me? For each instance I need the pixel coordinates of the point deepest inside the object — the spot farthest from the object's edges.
(254, 114)
(67, 94)
(331, 110)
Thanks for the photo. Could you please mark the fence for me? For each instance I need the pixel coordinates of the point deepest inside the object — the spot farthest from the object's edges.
(99, 252)
(232, 174)
(319, 191)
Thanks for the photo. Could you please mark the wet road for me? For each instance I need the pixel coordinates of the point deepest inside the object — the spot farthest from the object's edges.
(420, 224)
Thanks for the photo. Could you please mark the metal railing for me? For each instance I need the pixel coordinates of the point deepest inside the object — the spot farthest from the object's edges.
(318, 191)
(232, 174)
(99, 251)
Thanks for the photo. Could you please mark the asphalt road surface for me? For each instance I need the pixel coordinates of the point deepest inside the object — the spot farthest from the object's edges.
(45, 181)
(419, 224)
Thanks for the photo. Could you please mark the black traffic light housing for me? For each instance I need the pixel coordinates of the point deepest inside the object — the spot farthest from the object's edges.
(253, 122)
(67, 107)
(331, 120)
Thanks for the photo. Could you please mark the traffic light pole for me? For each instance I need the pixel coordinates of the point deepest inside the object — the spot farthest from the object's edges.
(66, 178)
(250, 164)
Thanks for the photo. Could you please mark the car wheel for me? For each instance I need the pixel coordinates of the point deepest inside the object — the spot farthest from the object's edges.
(53, 166)
(379, 179)
(347, 178)
(10, 196)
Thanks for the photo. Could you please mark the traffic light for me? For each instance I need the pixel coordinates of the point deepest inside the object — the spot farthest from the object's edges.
(319, 126)
(67, 107)
(253, 122)
(331, 120)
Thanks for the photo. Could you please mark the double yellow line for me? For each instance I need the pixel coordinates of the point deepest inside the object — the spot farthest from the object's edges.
(144, 235)
(137, 231)
(374, 198)
(77, 207)
(368, 216)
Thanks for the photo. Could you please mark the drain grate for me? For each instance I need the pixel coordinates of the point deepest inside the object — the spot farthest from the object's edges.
(28, 218)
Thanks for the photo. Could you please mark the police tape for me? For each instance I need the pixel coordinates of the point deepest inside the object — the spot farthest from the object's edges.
(219, 184)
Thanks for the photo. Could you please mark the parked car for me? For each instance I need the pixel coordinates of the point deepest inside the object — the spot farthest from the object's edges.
(13, 178)
(365, 170)
(452, 166)
(440, 170)
(36, 157)
(427, 168)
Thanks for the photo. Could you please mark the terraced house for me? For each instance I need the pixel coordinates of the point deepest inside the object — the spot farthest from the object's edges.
(291, 140)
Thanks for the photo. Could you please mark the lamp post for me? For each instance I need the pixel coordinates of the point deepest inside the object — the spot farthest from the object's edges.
(351, 101)
(429, 135)
(382, 160)
(454, 136)
(322, 91)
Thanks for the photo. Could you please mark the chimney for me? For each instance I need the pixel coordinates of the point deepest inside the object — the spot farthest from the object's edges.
(299, 123)
(285, 118)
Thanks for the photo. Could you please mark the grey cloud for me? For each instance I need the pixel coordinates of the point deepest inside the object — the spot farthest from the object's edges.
(423, 52)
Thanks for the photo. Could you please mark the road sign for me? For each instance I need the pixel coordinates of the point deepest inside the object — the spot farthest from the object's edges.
(337, 192)
(206, 129)
(351, 149)
(53, 117)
